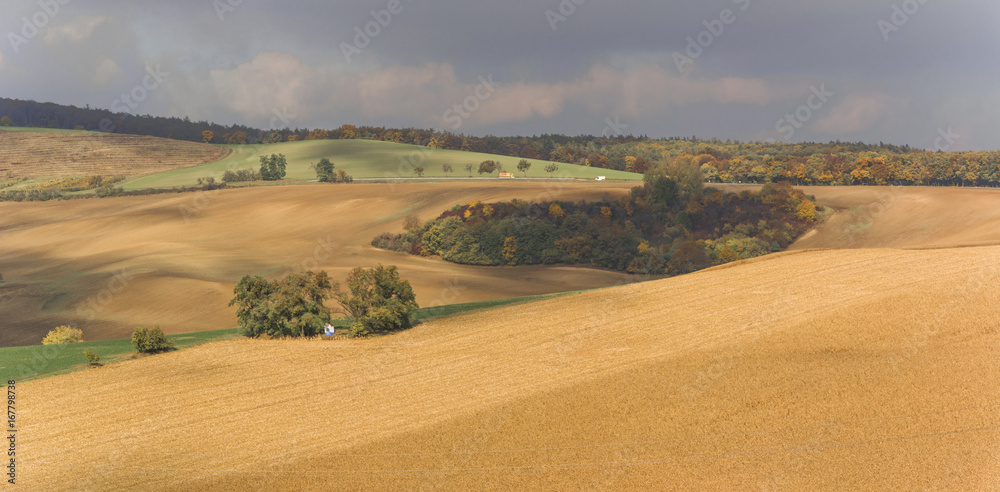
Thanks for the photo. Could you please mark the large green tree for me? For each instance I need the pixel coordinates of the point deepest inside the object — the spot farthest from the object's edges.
(487, 167)
(378, 301)
(324, 171)
(273, 168)
(292, 306)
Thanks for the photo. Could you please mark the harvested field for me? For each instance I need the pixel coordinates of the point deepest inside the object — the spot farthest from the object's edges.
(109, 265)
(902, 217)
(53, 155)
(846, 369)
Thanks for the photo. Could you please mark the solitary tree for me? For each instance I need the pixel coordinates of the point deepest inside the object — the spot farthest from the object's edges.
(487, 167)
(446, 168)
(469, 168)
(419, 171)
(150, 340)
(272, 168)
(551, 168)
(523, 166)
(92, 357)
(324, 170)
(378, 301)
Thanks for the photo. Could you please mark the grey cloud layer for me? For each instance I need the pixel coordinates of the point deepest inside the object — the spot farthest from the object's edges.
(232, 61)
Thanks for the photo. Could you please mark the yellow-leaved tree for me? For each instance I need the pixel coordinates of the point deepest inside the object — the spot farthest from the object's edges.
(63, 334)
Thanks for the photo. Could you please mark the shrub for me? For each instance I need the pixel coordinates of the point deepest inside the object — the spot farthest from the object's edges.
(91, 356)
(240, 175)
(150, 340)
(343, 177)
(63, 334)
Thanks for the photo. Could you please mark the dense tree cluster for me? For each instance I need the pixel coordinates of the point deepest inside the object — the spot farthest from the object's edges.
(272, 168)
(377, 301)
(292, 306)
(668, 226)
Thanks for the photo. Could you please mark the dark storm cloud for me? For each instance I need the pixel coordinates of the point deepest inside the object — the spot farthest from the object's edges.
(899, 71)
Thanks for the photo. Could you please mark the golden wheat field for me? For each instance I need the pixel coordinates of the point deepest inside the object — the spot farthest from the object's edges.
(109, 265)
(838, 369)
(871, 366)
(52, 155)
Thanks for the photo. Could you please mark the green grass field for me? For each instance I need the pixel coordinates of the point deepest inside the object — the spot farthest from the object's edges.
(364, 159)
(38, 361)
(35, 361)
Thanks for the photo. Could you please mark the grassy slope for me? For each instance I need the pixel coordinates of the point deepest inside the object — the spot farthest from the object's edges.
(35, 361)
(38, 361)
(362, 159)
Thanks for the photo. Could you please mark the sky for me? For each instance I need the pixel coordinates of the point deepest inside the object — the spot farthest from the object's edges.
(915, 72)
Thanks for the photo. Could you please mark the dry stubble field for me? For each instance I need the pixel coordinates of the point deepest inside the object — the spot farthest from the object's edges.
(178, 257)
(836, 369)
(52, 155)
(870, 369)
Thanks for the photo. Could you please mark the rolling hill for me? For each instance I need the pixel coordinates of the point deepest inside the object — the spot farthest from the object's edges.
(864, 369)
(868, 366)
(109, 265)
(364, 159)
(36, 153)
